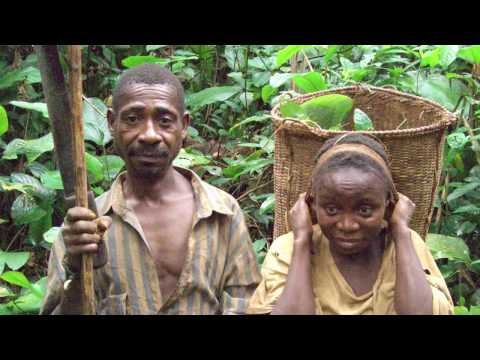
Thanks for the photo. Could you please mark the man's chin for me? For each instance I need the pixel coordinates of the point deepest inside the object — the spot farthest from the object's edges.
(149, 172)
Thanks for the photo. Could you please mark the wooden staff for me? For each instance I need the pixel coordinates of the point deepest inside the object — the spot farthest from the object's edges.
(81, 185)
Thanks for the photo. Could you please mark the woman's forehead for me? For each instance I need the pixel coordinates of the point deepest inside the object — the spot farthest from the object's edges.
(349, 180)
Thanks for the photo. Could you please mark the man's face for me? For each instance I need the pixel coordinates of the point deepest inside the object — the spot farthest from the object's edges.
(148, 128)
(350, 206)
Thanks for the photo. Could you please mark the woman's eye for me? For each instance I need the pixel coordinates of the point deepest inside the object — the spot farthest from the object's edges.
(331, 210)
(365, 211)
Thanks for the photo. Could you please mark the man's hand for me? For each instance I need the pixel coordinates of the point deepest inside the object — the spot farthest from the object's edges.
(81, 233)
(402, 214)
(301, 221)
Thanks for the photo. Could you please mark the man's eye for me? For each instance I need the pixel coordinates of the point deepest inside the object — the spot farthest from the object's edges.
(331, 210)
(132, 118)
(365, 211)
(165, 120)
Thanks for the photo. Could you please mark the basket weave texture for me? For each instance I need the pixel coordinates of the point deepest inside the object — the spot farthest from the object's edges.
(412, 129)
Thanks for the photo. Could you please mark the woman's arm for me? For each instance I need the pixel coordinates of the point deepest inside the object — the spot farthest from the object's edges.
(298, 297)
(413, 295)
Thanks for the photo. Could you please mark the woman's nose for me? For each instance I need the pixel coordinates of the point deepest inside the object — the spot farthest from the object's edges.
(348, 224)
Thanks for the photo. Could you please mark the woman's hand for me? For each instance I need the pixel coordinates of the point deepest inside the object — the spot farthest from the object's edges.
(402, 213)
(301, 221)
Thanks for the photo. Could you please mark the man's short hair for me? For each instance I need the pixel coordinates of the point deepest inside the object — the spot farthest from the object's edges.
(151, 74)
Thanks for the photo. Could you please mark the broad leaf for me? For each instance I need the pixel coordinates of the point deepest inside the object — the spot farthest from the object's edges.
(470, 54)
(292, 110)
(3, 120)
(442, 90)
(259, 245)
(14, 260)
(459, 192)
(268, 205)
(285, 54)
(211, 95)
(267, 92)
(52, 180)
(95, 122)
(29, 74)
(16, 278)
(133, 61)
(112, 165)
(310, 82)
(279, 79)
(52, 234)
(328, 111)
(452, 248)
(31, 148)
(39, 107)
(35, 188)
(25, 210)
(154, 47)
(361, 121)
(94, 167)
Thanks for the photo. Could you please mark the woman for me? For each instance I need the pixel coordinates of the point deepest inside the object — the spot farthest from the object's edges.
(362, 257)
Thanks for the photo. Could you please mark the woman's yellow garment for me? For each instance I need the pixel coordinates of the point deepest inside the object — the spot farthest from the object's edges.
(333, 295)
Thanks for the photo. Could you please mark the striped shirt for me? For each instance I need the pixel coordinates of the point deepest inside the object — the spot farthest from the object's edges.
(219, 275)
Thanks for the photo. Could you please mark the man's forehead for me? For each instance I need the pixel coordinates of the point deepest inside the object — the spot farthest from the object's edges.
(136, 92)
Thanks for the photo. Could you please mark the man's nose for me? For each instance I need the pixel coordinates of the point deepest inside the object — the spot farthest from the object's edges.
(150, 134)
(348, 224)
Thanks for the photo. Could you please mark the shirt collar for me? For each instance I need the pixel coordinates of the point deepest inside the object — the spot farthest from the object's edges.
(207, 197)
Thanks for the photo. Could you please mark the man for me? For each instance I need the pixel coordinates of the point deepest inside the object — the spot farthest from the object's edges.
(174, 244)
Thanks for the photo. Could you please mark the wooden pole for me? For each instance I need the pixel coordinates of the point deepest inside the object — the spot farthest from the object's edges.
(81, 185)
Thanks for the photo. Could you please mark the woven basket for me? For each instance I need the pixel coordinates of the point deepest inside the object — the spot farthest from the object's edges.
(412, 128)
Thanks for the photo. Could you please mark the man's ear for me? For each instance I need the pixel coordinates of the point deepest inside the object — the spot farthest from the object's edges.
(185, 123)
(111, 120)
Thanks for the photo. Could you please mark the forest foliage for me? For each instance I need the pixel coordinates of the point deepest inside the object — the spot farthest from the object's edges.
(230, 90)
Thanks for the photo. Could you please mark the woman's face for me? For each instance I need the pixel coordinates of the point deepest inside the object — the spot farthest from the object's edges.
(350, 205)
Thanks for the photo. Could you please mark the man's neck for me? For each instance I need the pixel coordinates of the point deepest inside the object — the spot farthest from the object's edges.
(151, 189)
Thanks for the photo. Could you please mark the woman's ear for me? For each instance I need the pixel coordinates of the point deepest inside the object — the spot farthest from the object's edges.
(310, 200)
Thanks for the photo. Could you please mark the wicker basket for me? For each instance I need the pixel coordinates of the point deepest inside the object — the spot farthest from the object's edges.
(412, 128)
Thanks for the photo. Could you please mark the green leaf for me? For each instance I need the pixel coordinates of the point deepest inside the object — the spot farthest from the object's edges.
(31, 148)
(279, 79)
(470, 209)
(267, 92)
(190, 158)
(452, 248)
(112, 165)
(214, 170)
(361, 121)
(14, 260)
(52, 234)
(310, 82)
(442, 90)
(470, 54)
(462, 191)
(259, 245)
(29, 74)
(3, 120)
(52, 180)
(95, 122)
(25, 210)
(292, 110)
(329, 110)
(154, 47)
(286, 53)
(16, 278)
(94, 167)
(34, 187)
(39, 107)
(249, 120)
(133, 61)
(268, 205)
(211, 95)
(475, 266)
(448, 54)
(457, 140)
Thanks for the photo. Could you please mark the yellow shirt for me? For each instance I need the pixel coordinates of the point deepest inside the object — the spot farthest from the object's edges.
(333, 295)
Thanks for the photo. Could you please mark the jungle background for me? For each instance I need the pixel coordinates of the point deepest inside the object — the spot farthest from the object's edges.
(230, 90)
